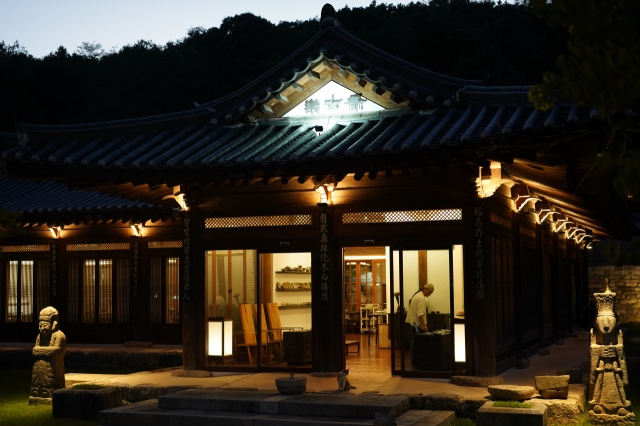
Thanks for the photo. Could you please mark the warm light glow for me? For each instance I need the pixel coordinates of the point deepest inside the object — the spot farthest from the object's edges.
(459, 348)
(324, 195)
(325, 190)
(55, 231)
(490, 178)
(220, 337)
(137, 229)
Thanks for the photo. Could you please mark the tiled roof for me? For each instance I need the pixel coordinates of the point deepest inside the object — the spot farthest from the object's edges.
(35, 200)
(281, 141)
(48, 196)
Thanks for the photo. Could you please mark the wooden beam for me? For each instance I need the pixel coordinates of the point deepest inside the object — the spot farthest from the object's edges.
(282, 98)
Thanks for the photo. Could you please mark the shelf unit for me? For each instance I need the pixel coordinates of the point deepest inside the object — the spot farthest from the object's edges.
(296, 289)
(294, 307)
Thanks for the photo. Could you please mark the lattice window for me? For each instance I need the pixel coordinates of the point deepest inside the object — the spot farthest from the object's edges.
(98, 247)
(24, 249)
(402, 216)
(499, 220)
(364, 251)
(257, 221)
(165, 244)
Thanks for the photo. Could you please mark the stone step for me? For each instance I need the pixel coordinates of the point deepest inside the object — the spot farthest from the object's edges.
(147, 413)
(264, 402)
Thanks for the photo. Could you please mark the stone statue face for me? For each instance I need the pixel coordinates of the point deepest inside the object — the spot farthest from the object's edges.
(46, 328)
(606, 323)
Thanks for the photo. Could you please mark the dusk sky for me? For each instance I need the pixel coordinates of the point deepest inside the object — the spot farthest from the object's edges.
(42, 25)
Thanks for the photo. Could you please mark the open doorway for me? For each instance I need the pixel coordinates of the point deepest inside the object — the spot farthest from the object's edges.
(379, 283)
(366, 301)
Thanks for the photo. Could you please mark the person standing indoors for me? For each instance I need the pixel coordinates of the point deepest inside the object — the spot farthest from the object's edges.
(417, 315)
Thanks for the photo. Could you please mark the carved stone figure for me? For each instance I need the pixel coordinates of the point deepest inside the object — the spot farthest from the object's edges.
(608, 401)
(48, 368)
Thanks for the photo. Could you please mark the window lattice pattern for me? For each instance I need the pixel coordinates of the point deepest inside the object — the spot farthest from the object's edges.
(165, 244)
(257, 221)
(402, 216)
(98, 247)
(364, 251)
(24, 249)
(499, 220)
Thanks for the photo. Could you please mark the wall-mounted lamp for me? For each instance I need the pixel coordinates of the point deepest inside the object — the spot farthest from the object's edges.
(55, 231)
(325, 191)
(137, 229)
(490, 178)
(178, 196)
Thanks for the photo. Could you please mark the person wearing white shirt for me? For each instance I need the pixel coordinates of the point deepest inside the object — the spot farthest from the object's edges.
(417, 315)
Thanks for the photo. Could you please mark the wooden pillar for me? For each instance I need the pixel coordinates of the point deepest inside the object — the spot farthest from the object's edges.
(478, 266)
(54, 290)
(540, 263)
(572, 276)
(556, 286)
(517, 285)
(327, 314)
(136, 308)
(192, 294)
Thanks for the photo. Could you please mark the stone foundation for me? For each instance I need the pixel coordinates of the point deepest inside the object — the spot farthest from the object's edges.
(17, 358)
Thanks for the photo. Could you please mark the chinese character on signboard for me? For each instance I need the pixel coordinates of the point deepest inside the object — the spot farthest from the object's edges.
(356, 102)
(312, 106)
(332, 104)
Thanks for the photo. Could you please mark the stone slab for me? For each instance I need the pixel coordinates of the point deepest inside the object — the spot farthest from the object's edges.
(477, 381)
(340, 405)
(560, 411)
(147, 413)
(215, 400)
(488, 415)
(84, 403)
(198, 374)
(511, 392)
(141, 392)
(552, 387)
(442, 402)
(469, 407)
(425, 418)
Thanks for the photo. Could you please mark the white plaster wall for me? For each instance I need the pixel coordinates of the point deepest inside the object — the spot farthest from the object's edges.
(458, 279)
(438, 275)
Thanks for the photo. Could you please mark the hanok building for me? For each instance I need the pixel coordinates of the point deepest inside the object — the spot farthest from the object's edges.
(286, 222)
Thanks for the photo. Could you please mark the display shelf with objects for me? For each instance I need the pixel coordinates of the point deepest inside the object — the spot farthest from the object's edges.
(293, 289)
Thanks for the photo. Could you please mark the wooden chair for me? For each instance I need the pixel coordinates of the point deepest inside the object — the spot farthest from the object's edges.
(271, 336)
(275, 326)
(249, 337)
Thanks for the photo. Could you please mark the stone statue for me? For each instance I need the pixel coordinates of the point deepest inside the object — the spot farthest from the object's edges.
(48, 368)
(608, 401)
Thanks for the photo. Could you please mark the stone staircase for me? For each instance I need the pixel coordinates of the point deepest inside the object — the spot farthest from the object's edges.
(213, 407)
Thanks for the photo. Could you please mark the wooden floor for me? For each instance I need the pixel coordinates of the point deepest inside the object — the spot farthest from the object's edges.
(371, 359)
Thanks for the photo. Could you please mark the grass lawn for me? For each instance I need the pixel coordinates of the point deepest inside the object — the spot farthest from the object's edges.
(15, 384)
